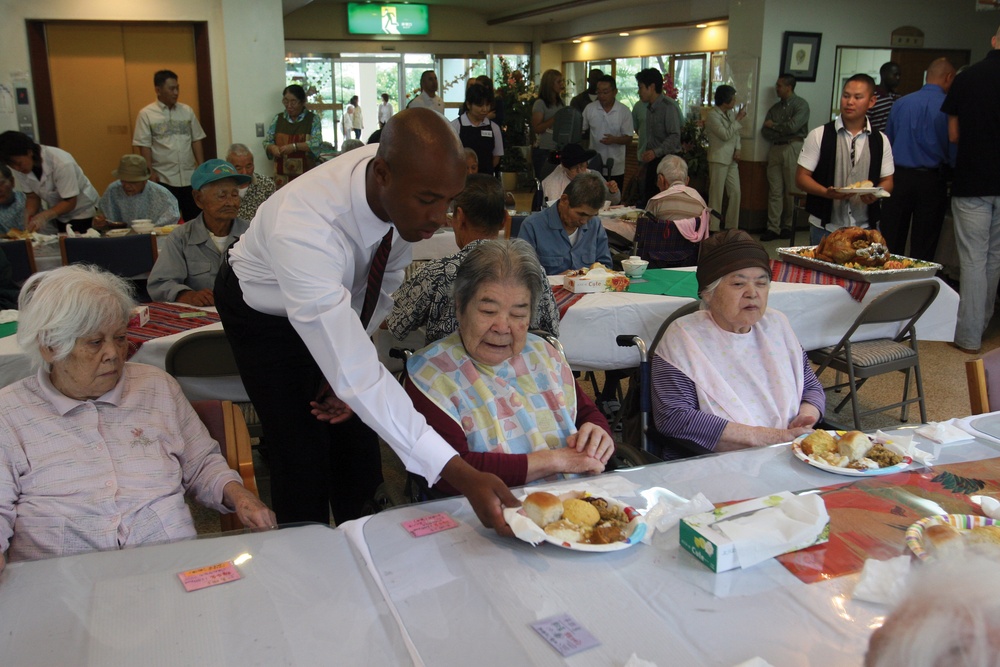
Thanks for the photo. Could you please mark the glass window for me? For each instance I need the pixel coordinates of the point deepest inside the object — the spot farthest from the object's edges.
(625, 71)
(690, 78)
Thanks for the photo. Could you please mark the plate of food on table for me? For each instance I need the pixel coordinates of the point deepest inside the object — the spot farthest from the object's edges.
(849, 453)
(583, 522)
(947, 535)
(858, 254)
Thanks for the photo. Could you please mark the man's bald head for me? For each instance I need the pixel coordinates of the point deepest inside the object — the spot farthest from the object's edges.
(413, 134)
(941, 72)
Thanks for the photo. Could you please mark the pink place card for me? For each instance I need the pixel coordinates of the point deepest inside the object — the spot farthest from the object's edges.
(565, 634)
(211, 575)
(428, 525)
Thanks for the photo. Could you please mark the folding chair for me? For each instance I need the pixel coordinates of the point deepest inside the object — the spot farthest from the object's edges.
(225, 424)
(206, 354)
(21, 256)
(984, 382)
(131, 256)
(864, 359)
(640, 394)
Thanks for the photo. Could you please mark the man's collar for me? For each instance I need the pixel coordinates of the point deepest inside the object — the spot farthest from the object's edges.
(64, 404)
(370, 226)
(164, 106)
(838, 124)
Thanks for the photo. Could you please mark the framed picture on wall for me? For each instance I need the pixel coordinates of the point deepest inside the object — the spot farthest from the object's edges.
(800, 54)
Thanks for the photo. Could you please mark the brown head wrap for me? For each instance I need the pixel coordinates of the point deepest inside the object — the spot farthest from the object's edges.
(729, 251)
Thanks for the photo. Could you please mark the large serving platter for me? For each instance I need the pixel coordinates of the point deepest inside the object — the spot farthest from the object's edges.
(792, 256)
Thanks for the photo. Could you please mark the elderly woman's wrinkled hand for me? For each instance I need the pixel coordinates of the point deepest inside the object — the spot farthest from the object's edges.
(593, 441)
(251, 511)
(806, 418)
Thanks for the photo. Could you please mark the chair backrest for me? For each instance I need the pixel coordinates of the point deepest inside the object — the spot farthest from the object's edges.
(660, 243)
(538, 200)
(984, 382)
(515, 225)
(904, 303)
(686, 309)
(21, 257)
(126, 256)
(201, 354)
(568, 126)
(226, 425)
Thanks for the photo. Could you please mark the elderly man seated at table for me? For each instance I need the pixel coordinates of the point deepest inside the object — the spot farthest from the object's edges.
(96, 453)
(573, 160)
(684, 213)
(191, 256)
(733, 374)
(569, 235)
(426, 298)
(254, 193)
(503, 398)
(134, 197)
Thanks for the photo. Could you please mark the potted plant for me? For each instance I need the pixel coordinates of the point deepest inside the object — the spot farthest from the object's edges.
(517, 93)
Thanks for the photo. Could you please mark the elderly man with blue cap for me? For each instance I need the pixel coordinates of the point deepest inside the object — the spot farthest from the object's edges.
(190, 257)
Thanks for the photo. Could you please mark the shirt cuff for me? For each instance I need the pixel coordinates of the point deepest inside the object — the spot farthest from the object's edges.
(428, 457)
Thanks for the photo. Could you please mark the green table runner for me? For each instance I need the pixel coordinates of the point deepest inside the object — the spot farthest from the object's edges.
(8, 329)
(667, 282)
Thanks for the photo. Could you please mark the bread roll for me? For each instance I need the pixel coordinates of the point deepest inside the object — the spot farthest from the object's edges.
(818, 443)
(942, 539)
(854, 445)
(565, 531)
(983, 535)
(581, 513)
(542, 508)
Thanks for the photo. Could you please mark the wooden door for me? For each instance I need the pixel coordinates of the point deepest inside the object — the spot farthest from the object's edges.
(149, 48)
(913, 63)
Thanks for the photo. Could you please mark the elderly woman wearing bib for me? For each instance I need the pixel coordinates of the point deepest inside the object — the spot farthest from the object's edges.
(733, 375)
(505, 399)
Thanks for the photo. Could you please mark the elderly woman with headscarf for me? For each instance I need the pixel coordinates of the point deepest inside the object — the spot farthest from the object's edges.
(96, 453)
(503, 398)
(574, 160)
(733, 375)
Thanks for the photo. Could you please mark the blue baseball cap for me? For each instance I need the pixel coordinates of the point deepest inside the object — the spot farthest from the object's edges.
(210, 171)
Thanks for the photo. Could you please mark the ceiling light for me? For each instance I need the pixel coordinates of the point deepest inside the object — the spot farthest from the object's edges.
(623, 34)
(577, 41)
(701, 25)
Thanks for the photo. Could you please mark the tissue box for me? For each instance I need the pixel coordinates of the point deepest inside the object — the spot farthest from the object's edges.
(717, 551)
(608, 282)
(140, 317)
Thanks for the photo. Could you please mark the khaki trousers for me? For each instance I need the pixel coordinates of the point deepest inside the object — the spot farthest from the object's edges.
(781, 165)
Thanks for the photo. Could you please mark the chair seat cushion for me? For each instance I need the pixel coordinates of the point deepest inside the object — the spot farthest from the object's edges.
(873, 352)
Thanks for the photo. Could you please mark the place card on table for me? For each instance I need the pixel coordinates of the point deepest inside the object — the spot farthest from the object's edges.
(212, 575)
(565, 635)
(428, 525)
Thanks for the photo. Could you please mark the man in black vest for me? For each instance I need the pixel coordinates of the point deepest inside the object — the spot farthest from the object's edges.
(841, 153)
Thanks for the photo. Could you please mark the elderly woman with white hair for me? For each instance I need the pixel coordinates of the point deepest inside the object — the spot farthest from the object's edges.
(260, 187)
(732, 375)
(505, 399)
(96, 453)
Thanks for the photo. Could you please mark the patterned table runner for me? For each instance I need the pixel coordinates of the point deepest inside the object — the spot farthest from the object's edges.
(564, 299)
(792, 273)
(165, 320)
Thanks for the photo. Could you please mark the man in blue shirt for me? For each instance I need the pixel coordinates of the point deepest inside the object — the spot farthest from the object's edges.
(568, 234)
(918, 132)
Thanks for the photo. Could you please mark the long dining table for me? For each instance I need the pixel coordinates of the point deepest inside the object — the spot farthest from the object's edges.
(369, 592)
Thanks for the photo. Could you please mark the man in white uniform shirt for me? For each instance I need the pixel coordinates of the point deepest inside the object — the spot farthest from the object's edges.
(169, 136)
(610, 125)
(300, 298)
(428, 97)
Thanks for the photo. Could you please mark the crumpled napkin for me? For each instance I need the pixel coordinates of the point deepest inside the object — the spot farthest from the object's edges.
(903, 445)
(989, 505)
(7, 316)
(770, 532)
(755, 662)
(44, 239)
(883, 581)
(670, 509)
(636, 661)
(942, 433)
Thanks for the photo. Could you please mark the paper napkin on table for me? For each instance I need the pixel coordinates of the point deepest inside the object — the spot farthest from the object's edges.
(44, 239)
(903, 445)
(883, 581)
(636, 661)
(769, 532)
(755, 662)
(669, 510)
(942, 433)
(990, 506)
(7, 316)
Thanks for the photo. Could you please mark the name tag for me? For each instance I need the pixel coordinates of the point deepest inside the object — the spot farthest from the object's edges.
(487, 133)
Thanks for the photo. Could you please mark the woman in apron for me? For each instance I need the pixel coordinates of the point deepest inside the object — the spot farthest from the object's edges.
(477, 131)
(294, 137)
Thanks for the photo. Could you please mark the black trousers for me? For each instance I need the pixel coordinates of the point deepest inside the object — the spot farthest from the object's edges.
(315, 467)
(920, 195)
(185, 201)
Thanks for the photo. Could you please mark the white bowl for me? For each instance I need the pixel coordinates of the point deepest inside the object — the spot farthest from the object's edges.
(634, 269)
(117, 232)
(142, 226)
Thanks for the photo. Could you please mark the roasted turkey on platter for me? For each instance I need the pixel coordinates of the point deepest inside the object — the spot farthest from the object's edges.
(853, 245)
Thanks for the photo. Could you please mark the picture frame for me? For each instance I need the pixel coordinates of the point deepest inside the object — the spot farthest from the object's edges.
(800, 54)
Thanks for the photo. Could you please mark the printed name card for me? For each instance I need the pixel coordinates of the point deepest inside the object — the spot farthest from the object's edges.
(211, 575)
(428, 525)
(565, 634)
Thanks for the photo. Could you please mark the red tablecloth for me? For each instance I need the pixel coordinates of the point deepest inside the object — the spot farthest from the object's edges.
(793, 273)
(565, 299)
(165, 320)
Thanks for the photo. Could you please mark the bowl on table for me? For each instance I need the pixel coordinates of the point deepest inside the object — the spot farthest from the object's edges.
(634, 266)
(142, 226)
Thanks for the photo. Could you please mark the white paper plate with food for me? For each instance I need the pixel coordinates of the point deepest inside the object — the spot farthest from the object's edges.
(849, 453)
(576, 520)
(859, 191)
(113, 233)
(949, 534)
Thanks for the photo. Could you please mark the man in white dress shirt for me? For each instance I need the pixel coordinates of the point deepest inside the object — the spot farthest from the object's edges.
(300, 298)
(428, 97)
(610, 125)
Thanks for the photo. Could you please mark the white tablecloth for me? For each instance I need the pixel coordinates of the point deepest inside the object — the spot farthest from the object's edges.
(819, 314)
(439, 246)
(465, 591)
(303, 599)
